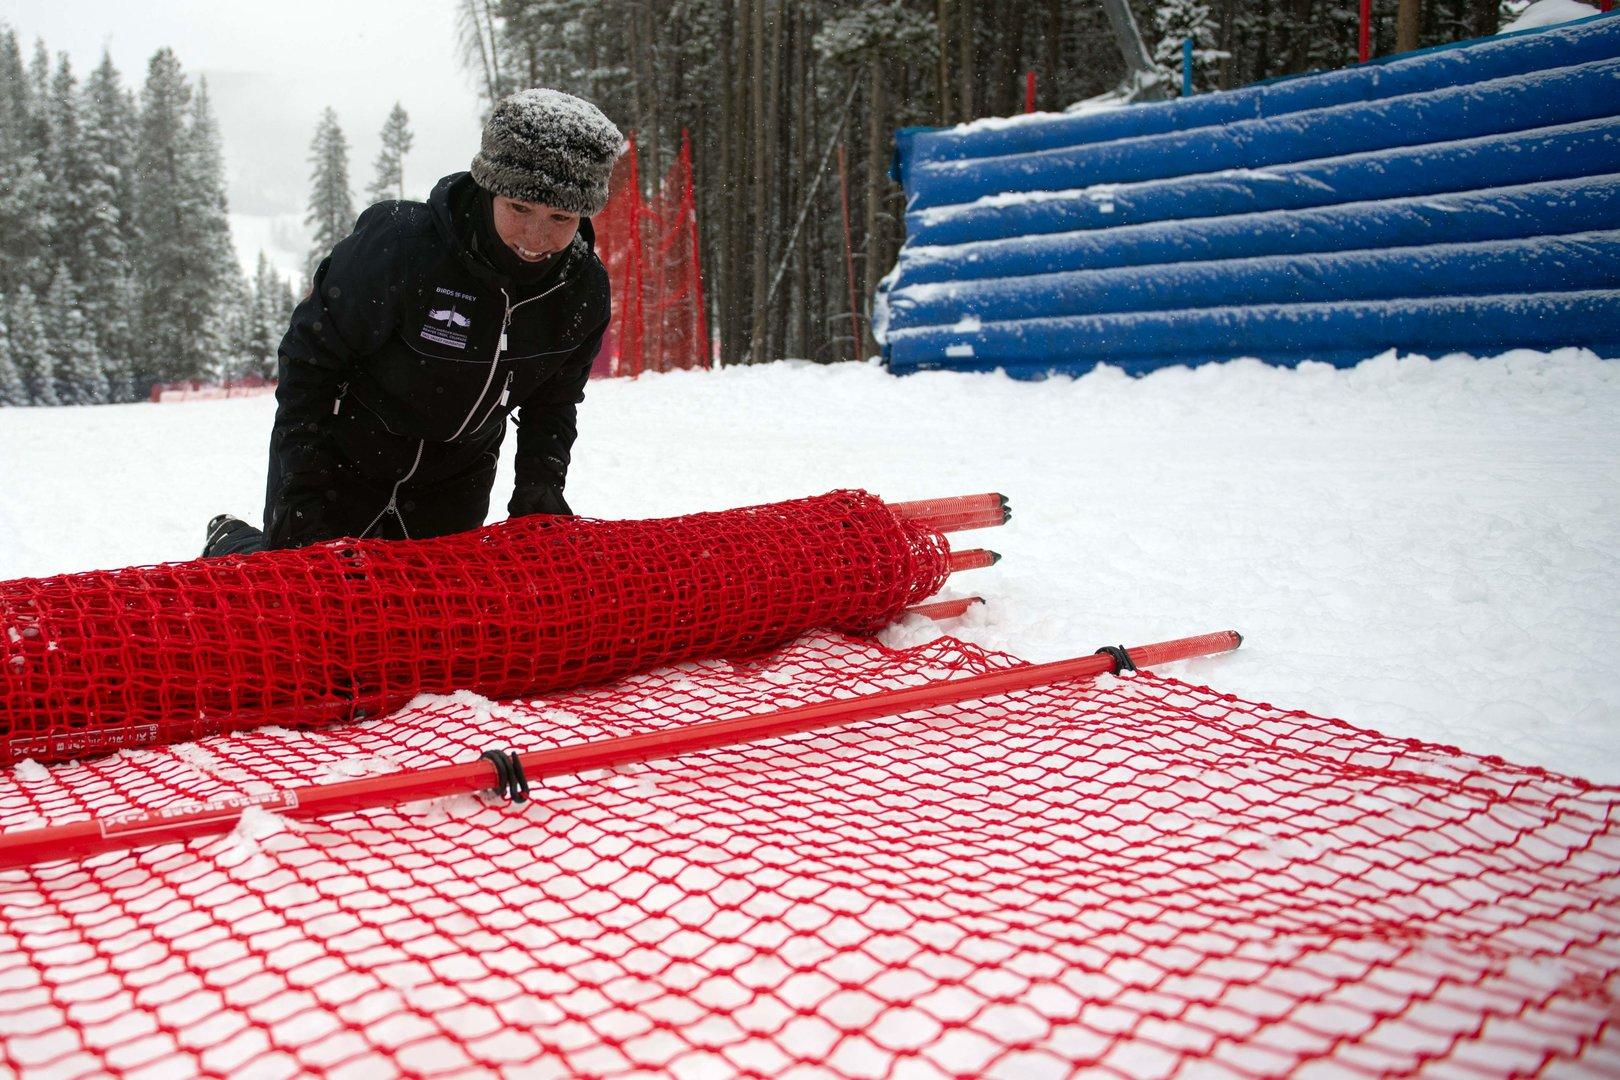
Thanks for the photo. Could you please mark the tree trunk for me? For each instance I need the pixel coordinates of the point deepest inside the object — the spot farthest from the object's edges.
(1408, 16)
(965, 69)
(876, 128)
(757, 247)
(725, 186)
(799, 335)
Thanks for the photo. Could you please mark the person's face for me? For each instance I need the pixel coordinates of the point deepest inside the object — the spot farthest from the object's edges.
(533, 230)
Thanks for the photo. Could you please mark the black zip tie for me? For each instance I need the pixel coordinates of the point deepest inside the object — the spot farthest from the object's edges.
(510, 783)
(1122, 659)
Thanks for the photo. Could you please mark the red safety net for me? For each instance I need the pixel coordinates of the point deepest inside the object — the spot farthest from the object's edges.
(97, 661)
(651, 253)
(1124, 876)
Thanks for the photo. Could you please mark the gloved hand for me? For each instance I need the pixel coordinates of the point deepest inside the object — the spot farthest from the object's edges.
(537, 499)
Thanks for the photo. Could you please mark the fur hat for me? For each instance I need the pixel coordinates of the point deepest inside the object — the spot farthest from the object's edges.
(545, 146)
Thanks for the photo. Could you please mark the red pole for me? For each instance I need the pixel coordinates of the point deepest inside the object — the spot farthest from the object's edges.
(194, 821)
(940, 610)
(1366, 30)
(1029, 91)
(972, 559)
(950, 505)
(956, 514)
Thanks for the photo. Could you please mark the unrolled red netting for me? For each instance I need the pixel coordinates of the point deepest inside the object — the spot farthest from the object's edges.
(1114, 876)
(92, 662)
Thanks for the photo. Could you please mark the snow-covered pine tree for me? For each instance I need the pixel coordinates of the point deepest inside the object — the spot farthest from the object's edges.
(389, 183)
(268, 318)
(106, 148)
(331, 207)
(12, 391)
(163, 264)
(31, 348)
(182, 263)
(65, 170)
(1176, 21)
(75, 362)
(25, 222)
(223, 292)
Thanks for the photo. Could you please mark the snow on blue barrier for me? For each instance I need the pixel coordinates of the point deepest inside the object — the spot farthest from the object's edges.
(1466, 198)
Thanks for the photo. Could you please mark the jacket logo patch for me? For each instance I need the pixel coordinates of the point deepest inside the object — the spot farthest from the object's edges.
(446, 325)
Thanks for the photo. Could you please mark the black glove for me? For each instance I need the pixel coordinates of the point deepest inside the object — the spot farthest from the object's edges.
(537, 499)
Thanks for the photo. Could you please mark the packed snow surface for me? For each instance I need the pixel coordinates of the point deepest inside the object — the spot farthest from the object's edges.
(1425, 547)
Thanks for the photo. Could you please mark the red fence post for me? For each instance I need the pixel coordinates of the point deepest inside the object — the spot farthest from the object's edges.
(1366, 30)
(1029, 91)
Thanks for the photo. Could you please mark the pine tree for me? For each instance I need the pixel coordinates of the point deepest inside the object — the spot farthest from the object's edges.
(1176, 21)
(76, 364)
(66, 170)
(25, 222)
(184, 272)
(109, 138)
(220, 286)
(269, 318)
(331, 207)
(396, 143)
(12, 391)
(30, 349)
(163, 261)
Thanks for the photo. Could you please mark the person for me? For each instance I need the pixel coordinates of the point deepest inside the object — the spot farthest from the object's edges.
(427, 326)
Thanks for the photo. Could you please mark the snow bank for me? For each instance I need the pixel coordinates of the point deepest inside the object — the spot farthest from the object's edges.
(1422, 546)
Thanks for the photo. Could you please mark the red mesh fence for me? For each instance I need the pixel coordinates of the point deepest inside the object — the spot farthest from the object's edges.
(97, 661)
(1126, 876)
(651, 253)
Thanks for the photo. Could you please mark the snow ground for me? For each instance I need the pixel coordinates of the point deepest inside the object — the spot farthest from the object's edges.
(1423, 547)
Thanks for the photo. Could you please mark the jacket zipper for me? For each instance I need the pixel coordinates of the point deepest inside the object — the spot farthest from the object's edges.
(337, 402)
(495, 361)
(393, 496)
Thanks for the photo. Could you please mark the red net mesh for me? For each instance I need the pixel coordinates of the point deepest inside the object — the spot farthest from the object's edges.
(101, 660)
(1127, 877)
(651, 253)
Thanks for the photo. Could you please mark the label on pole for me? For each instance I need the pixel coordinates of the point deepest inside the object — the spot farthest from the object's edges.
(135, 822)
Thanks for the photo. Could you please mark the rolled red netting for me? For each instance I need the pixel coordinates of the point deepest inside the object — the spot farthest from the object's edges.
(96, 661)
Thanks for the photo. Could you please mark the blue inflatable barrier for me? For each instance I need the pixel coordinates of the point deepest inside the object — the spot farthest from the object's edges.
(1346, 333)
(1507, 160)
(1465, 198)
(1409, 73)
(1556, 264)
(1545, 99)
(1560, 206)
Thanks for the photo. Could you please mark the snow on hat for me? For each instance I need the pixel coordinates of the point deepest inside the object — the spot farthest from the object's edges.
(545, 146)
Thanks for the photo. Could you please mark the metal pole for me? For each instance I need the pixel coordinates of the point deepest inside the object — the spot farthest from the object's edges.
(1149, 85)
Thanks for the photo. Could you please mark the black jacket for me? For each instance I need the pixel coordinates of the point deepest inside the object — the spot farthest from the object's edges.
(402, 363)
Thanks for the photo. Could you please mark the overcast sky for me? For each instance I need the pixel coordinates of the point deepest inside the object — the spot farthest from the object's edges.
(272, 68)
